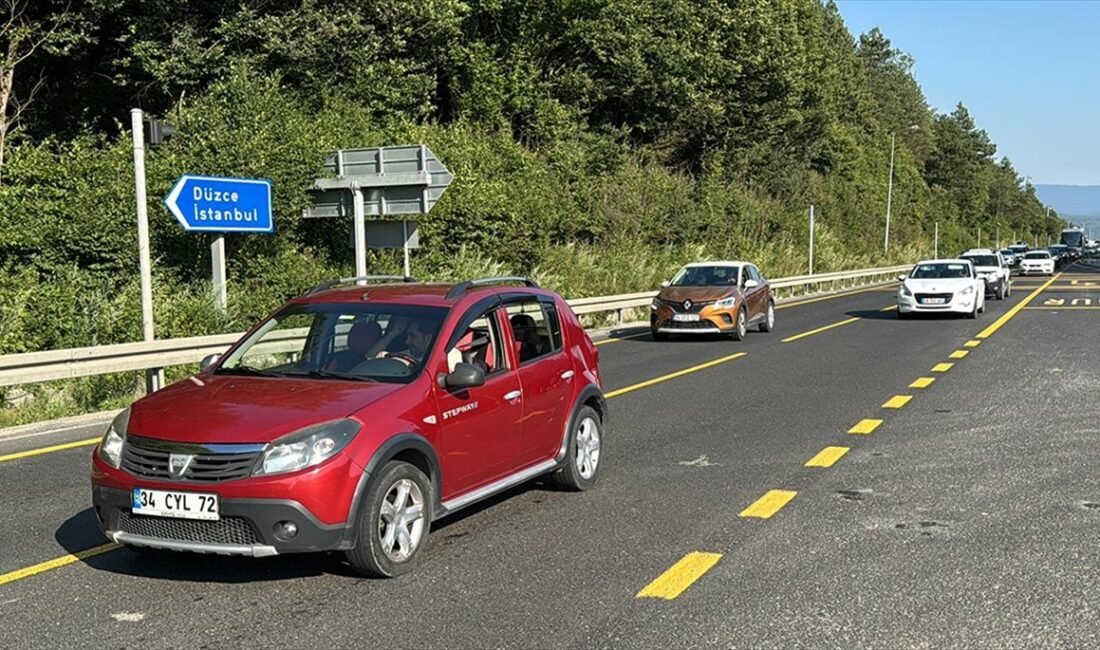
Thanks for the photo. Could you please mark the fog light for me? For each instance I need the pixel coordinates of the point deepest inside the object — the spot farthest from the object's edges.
(286, 529)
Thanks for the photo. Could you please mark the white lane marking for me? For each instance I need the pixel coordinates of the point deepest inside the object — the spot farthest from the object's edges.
(699, 462)
(128, 617)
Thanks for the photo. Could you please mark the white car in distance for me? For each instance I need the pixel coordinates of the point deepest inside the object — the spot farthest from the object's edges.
(941, 286)
(991, 267)
(1037, 262)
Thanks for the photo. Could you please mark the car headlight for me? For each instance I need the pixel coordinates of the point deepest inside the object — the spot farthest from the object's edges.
(904, 290)
(656, 304)
(726, 303)
(306, 447)
(110, 446)
(967, 291)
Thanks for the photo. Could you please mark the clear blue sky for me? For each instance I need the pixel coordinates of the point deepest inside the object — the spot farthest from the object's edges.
(1028, 71)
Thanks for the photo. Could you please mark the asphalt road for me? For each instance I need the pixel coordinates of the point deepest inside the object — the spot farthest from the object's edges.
(967, 517)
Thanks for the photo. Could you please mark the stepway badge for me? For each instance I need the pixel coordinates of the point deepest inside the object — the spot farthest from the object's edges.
(221, 204)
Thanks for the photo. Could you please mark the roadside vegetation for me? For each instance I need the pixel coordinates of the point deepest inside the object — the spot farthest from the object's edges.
(596, 145)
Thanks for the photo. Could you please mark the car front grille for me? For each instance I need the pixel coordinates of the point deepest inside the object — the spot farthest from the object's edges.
(693, 308)
(227, 530)
(924, 297)
(149, 458)
(693, 325)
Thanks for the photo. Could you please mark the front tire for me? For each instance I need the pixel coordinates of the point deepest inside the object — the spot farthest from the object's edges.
(742, 328)
(657, 336)
(393, 522)
(769, 318)
(583, 454)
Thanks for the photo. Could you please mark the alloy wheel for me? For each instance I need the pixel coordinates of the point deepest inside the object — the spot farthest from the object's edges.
(401, 520)
(588, 448)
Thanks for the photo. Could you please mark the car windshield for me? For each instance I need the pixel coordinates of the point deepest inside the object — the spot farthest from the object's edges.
(1037, 256)
(982, 260)
(706, 276)
(943, 271)
(1008, 252)
(341, 342)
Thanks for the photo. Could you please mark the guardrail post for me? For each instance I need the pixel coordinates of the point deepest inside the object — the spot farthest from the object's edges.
(619, 316)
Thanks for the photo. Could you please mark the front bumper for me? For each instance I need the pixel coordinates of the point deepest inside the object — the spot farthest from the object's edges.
(959, 304)
(248, 527)
(712, 320)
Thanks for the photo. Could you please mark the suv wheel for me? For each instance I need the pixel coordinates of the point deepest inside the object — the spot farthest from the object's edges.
(393, 523)
(742, 328)
(657, 336)
(769, 318)
(583, 455)
(1008, 288)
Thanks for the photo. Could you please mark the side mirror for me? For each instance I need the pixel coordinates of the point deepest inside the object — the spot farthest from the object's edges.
(208, 361)
(465, 375)
(901, 278)
(751, 284)
(664, 284)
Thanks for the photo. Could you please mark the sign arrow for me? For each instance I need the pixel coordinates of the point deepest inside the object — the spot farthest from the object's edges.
(221, 204)
(1054, 302)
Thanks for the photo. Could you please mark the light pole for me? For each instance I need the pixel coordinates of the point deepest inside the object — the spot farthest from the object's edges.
(890, 190)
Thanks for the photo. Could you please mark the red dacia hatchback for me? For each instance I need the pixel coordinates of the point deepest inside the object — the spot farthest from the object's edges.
(354, 417)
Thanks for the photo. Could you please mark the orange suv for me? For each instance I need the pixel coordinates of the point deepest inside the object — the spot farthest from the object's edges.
(713, 298)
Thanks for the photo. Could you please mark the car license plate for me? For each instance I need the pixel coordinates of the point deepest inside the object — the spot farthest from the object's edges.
(685, 318)
(933, 301)
(178, 505)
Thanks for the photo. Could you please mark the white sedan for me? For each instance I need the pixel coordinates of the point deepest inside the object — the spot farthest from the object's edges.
(1037, 262)
(938, 286)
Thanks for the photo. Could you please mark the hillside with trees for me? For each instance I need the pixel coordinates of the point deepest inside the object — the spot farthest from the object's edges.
(596, 145)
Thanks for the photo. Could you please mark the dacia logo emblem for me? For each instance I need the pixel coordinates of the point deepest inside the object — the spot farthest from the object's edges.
(178, 464)
(687, 304)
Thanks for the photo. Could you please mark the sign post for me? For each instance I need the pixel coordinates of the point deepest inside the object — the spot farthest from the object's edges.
(154, 379)
(811, 239)
(379, 182)
(219, 205)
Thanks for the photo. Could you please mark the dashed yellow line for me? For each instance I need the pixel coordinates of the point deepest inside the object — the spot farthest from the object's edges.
(827, 457)
(680, 576)
(674, 375)
(819, 330)
(942, 367)
(922, 382)
(55, 563)
(973, 343)
(865, 426)
(959, 354)
(897, 401)
(769, 504)
(46, 450)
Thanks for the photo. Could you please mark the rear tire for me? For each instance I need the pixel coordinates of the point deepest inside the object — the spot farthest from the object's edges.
(583, 454)
(741, 328)
(769, 318)
(394, 520)
(657, 336)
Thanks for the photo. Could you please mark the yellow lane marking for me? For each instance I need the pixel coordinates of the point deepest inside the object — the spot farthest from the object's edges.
(680, 576)
(55, 563)
(972, 343)
(988, 332)
(942, 367)
(959, 354)
(1057, 308)
(819, 330)
(890, 308)
(897, 401)
(674, 375)
(829, 297)
(865, 426)
(621, 338)
(922, 382)
(46, 450)
(769, 504)
(827, 456)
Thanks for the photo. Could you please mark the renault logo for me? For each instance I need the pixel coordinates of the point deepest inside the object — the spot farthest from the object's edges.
(687, 304)
(178, 464)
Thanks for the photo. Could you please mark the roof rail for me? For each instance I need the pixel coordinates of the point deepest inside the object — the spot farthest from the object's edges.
(463, 287)
(325, 286)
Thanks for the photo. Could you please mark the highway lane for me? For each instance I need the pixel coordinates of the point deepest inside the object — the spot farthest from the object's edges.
(537, 567)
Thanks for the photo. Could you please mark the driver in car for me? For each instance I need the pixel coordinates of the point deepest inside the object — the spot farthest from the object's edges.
(418, 336)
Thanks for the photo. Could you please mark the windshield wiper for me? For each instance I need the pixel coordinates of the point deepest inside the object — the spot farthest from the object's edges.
(331, 374)
(249, 370)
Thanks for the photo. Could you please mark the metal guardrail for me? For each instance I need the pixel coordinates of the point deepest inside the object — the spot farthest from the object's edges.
(34, 367)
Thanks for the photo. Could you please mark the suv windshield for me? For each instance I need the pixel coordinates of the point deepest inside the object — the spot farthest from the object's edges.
(706, 276)
(340, 341)
(1037, 256)
(982, 260)
(940, 271)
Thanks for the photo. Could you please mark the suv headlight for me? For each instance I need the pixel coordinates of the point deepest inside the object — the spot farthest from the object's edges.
(656, 304)
(726, 303)
(110, 446)
(306, 447)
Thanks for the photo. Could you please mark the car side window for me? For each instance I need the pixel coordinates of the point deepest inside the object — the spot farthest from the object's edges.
(531, 329)
(754, 274)
(481, 345)
(553, 323)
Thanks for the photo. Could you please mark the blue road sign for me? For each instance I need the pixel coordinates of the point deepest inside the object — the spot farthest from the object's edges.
(218, 204)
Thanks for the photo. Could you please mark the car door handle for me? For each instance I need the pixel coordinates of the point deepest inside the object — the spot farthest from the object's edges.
(567, 375)
(513, 396)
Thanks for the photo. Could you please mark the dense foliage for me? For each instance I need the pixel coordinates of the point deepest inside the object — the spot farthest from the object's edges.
(596, 144)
